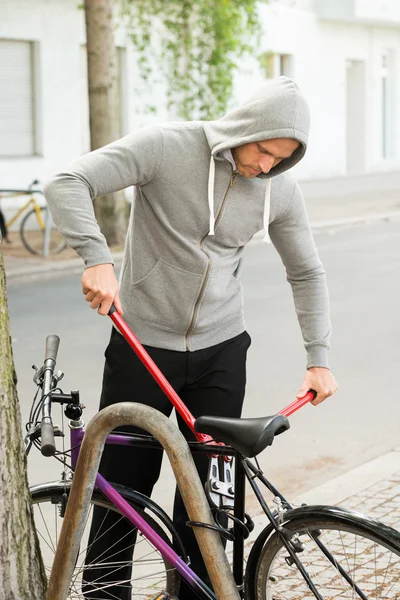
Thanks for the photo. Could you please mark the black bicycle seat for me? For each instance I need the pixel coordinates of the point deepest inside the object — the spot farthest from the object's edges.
(247, 436)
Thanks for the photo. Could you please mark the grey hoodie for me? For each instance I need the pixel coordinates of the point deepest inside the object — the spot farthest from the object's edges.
(191, 218)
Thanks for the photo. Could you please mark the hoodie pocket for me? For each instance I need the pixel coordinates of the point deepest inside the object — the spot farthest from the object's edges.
(222, 302)
(166, 297)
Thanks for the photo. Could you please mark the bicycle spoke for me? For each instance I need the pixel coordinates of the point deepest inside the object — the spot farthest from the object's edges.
(50, 545)
(111, 571)
(349, 572)
(98, 537)
(372, 569)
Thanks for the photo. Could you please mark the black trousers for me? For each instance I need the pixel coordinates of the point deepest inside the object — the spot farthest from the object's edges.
(210, 382)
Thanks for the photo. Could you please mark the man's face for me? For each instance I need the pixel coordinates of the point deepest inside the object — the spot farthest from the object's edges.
(260, 157)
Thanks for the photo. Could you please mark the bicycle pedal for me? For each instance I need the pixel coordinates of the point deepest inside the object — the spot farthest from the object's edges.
(165, 596)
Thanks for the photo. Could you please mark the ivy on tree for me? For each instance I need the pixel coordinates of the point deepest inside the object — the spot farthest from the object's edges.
(197, 44)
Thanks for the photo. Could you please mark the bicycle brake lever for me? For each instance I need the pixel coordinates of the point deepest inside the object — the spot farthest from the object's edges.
(58, 375)
(38, 373)
(34, 432)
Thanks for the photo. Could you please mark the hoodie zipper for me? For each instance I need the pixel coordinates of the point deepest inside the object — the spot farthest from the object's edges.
(199, 297)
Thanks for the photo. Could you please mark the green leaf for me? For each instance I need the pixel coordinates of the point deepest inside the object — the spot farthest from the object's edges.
(197, 46)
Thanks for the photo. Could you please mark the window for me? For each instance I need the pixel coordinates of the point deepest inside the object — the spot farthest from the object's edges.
(17, 98)
(275, 65)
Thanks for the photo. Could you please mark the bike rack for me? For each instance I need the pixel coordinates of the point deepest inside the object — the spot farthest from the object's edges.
(187, 478)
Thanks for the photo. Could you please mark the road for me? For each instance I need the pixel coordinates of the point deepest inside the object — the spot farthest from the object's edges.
(358, 424)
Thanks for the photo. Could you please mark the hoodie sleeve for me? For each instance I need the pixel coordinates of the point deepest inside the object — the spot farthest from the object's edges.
(292, 237)
(132, 160)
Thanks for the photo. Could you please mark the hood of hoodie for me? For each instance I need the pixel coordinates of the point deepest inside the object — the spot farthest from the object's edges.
(276, 110)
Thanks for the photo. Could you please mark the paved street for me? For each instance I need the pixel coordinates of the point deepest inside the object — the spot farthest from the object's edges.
(360, 423)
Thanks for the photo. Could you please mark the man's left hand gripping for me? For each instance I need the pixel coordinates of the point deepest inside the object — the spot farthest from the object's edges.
(321, 381)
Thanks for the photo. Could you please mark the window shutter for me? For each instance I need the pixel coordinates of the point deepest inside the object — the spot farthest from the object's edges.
(17, 134)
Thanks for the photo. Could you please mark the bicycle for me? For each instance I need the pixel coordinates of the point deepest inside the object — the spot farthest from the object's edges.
(307, 552)
(34, 225)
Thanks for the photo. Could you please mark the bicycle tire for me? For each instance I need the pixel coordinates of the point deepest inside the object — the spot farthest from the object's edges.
(344, 534)
(152, 573)
(32, 235)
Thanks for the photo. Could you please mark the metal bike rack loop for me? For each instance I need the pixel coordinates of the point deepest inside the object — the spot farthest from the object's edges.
(190, 486)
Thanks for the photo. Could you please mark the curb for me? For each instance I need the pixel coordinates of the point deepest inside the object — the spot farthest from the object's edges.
(354, 481)
(332, 225)
(352, 221)
(62, 267)
(75, 265)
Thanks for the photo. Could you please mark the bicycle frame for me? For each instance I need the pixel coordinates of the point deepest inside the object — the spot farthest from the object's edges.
(201, 589)
(146, 419)
(77, 433)
(209, 446)
(22, 210)
(243, 469)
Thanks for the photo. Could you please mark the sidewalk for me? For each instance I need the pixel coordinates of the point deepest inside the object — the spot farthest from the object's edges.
(352, 200)
(372, 489)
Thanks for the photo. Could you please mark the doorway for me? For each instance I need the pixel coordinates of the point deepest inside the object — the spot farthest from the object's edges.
(355, 117)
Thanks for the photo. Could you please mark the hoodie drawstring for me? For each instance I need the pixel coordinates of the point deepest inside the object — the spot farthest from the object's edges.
(267, 202)
(267, 205)
(211, 179)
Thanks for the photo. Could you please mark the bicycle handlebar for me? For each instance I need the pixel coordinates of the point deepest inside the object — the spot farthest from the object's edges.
(32, 184)
(48, 447)
(52, 344)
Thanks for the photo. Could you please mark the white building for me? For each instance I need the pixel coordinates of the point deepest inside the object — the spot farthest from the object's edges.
(344, 54)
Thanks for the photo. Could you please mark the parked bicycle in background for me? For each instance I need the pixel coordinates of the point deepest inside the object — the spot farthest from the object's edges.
(37, 231)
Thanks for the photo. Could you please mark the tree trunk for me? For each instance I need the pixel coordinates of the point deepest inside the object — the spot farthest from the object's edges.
(104, 107)
(22, 574)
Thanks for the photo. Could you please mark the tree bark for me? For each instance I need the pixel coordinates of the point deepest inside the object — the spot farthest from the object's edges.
(104, 107)
(22, 575)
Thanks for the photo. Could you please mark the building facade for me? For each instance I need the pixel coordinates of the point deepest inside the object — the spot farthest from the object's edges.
(344, 54)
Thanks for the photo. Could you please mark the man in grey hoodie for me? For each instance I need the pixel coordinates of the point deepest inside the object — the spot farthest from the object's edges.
(202, 190)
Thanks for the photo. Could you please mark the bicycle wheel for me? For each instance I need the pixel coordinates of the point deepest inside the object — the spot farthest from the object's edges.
(32, 233)
(368, 551)
(151, 573)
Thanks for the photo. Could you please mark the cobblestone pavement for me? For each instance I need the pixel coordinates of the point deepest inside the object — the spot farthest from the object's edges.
(380, 501)
(375, 567)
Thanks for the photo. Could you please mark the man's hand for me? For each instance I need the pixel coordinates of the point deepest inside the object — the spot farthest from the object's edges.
(322, 381)
(100, 287)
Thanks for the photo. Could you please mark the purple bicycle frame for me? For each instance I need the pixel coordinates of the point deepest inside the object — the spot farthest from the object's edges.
(202, 590)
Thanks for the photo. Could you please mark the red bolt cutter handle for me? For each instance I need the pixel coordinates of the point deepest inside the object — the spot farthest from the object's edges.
(168, 389)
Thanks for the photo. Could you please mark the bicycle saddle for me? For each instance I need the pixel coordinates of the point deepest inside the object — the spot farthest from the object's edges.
(247, 436)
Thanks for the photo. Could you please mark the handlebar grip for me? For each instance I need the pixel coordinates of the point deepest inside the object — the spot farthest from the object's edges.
(48, 447)
(52, 343)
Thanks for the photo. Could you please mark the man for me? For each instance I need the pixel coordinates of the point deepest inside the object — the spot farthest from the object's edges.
(203, 189)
